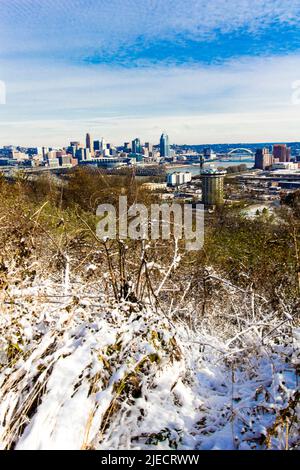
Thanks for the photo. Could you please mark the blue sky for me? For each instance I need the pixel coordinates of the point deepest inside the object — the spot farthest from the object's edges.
(203, 71)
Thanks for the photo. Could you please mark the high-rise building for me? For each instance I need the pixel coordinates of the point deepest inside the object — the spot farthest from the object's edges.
(75, 144)
(103, 145)
(263, 158)
(149, 146)
(126, 147)
(145, 152)
(281, 152)
(97, 145)
(136, 146)
(72, 150)
(80, 154)
(209, 153)
(45, 150)
(34, 151)
(212, 187)
(164, 146)
(89, 144)
(51, 154)
(87, 154)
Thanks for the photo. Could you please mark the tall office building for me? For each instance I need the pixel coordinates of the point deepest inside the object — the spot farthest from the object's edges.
(103, 145)
(80, 154)
(149, 146)
(97, 145)
(263, 158)
(164, 146)
(89, 144)
(136, 146)
(72, 150)
(45, 150)
(281, 152)
(75, 144)
(126, 147)
(87, 154)
(212, 187)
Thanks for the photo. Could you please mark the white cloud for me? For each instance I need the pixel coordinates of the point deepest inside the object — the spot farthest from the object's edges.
(95, 26)
(213, 128)
(249, 99)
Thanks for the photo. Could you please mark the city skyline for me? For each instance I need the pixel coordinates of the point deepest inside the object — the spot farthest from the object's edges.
(218, 72)
(155, 142)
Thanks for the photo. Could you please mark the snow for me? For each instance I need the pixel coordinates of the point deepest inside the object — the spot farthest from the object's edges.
(97, 374)
(254, 210)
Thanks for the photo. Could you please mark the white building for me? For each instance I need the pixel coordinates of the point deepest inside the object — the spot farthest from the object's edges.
(106, 152)
(16, 155)
(154, 186)
(284, 166)
(178, 178)
(53, 162)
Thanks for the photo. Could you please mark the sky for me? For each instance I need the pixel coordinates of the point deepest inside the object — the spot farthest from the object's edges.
(202, 71)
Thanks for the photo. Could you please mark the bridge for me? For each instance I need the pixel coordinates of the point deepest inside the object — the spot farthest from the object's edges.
(241, 151)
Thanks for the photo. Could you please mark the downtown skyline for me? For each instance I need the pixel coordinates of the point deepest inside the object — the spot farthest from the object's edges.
(205, 72)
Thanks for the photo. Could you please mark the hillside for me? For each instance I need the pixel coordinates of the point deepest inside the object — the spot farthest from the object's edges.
(114, 346)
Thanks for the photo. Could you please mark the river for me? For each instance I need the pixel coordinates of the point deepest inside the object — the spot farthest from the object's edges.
(194, 169)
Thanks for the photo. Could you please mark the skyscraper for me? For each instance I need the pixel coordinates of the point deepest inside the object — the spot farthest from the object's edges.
(89, 144)
(103, 145)
(97, 145)
(282, 152)
(72, 150)
(164, 146)
(87, 154)
(263, 158)
(149, 146)
(136, 146)
(80, 154)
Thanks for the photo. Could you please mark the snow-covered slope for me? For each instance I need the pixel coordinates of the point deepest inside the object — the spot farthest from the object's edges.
(88, 373)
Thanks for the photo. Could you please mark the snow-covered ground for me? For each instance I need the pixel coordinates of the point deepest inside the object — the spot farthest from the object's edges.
(88, 373)
(258, 209)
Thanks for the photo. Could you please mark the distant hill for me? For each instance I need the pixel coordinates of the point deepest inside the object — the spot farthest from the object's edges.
(223, 148)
